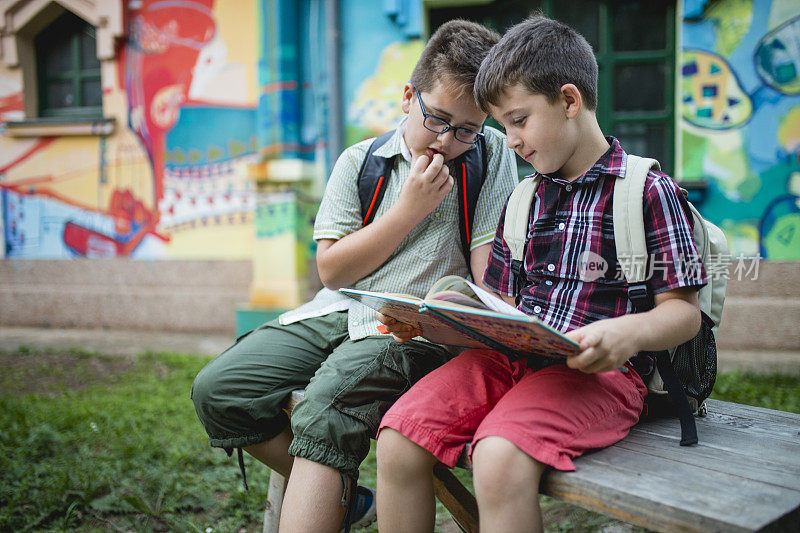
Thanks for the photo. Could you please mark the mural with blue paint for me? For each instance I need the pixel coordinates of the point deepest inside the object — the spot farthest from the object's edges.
(292, 115)
(203, 171)
(740, 128)
(381, 44)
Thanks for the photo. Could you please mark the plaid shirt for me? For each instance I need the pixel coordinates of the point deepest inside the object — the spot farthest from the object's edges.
(572, 219)
(431, 251)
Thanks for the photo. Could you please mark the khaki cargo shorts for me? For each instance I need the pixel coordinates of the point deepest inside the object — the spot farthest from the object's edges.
(349, 385)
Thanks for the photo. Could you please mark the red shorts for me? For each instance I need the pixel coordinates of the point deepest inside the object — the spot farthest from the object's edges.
(554, 414)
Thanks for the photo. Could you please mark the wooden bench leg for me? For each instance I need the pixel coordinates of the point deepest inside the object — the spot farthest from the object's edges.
(272, 513)
(456, 498)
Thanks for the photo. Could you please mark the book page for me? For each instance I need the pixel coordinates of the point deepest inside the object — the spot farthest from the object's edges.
(454, 289)
(460, 291)
(455, 297)
(494, 302)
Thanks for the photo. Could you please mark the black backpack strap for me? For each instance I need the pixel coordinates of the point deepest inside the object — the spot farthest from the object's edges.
(641, 296)
(373, 178)
(516, 268)
(678, 397)
(470, 173)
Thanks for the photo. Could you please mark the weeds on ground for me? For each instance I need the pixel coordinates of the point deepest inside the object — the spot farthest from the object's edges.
(91, 442)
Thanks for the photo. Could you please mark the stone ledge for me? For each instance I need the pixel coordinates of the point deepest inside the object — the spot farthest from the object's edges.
(193, 296)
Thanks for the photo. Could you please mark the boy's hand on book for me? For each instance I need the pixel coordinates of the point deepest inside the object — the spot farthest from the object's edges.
(605, 345)
(426, 186)
(401, 331)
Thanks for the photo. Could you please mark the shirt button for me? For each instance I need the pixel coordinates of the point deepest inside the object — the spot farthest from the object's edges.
(562, 226)
(548, 282)
(537, 309)
(355, 322)
(568, 187)
(551, 267)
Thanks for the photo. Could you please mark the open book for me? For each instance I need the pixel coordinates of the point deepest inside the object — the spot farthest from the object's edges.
(456, 312)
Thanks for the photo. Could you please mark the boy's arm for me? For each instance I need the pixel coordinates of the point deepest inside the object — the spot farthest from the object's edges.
(479, 258)
(607, 344)
(344, 261)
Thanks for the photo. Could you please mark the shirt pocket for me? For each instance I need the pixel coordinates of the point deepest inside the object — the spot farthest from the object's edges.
(433, 237)
(587, 252)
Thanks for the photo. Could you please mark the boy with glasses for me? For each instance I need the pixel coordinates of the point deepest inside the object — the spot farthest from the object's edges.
(331, 345)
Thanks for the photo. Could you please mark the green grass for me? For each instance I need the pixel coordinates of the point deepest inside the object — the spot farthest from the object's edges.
(773, 391)
(107, 444)
(90, 442)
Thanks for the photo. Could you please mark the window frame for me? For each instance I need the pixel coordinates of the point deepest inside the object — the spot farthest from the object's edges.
(76, 74)
(608, 60)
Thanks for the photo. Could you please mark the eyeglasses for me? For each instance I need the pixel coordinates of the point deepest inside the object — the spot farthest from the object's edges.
(440, 125)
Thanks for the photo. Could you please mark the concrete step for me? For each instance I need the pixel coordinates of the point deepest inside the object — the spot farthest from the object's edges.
(762, 309)
(112, 342)
(771, 279)
(126, 272)
(189, 296)
(761, 361)
(760, 323)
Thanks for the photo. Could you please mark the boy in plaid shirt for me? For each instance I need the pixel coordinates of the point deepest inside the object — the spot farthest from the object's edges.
(540, 83)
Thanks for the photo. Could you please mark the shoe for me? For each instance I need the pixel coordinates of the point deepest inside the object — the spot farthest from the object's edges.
(363, 511)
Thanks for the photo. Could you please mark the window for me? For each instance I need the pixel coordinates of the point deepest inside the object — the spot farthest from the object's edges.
(634, 43)
(68, 71)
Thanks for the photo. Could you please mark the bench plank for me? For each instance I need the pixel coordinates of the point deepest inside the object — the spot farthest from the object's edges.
(745, 424)
(752, 412)
(647, 490)
(741, 477)
(456, 498)
(758, 468)
(726, 439)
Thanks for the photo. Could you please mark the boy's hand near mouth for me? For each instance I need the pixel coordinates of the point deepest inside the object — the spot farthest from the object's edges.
(426, 186)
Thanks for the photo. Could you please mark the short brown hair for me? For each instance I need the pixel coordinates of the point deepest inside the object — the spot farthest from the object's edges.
(542, 54)
(453, 56)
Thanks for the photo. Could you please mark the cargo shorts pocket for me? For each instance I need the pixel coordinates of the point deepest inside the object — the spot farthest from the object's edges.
(375, 387)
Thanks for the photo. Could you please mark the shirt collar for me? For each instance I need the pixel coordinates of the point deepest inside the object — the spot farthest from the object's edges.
(610, 163)
(396, 144)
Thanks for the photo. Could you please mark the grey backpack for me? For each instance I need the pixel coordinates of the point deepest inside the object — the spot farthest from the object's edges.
(686, 372)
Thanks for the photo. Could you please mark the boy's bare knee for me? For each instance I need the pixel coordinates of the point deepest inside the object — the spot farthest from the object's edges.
(500, 468)
(398, 456)
(274, 452)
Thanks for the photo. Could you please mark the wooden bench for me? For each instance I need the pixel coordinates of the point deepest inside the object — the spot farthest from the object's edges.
(743, 476)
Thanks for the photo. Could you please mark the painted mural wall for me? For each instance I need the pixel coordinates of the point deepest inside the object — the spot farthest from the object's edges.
(200, 93)
(379, 45)
(377, 63)
(171, 181)
(740, 127)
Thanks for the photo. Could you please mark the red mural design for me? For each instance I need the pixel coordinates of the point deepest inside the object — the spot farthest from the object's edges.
(10, 103)
(165, 39)
(156, 65)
